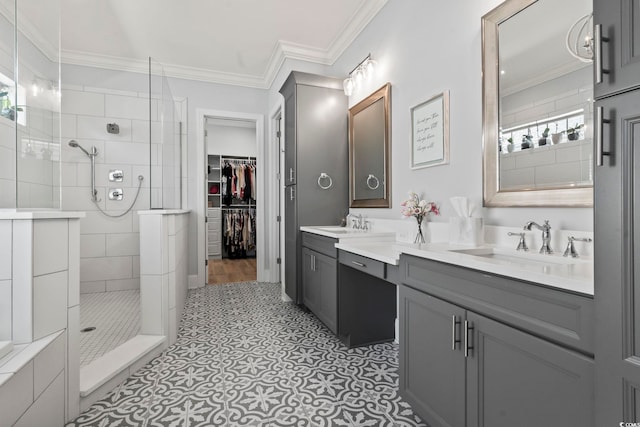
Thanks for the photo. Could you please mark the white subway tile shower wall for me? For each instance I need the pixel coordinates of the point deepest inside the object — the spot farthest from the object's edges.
(109, 247)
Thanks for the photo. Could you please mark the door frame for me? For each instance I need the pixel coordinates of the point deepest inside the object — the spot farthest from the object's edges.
(265, 259)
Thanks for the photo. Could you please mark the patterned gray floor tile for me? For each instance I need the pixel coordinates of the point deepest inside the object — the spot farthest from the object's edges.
(245, 358)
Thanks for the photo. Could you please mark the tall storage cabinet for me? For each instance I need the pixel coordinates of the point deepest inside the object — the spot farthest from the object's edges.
(315, 172)
(617, 241)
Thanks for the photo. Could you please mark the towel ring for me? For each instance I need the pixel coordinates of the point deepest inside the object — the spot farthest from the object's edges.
(322, 176)
(373, 177)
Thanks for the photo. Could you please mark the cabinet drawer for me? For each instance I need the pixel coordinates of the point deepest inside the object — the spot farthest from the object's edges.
(213, 233)
(213, 249)
(370, 266)
(559, 316)
(214, 213)
(324, 245)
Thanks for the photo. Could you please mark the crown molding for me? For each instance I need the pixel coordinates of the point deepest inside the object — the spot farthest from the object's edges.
(282, 51)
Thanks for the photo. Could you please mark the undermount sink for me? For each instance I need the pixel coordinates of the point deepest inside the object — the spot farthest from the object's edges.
(519, 257)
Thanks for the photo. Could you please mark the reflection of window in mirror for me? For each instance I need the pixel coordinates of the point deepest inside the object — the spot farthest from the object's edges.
(538, 100)
(369, 148)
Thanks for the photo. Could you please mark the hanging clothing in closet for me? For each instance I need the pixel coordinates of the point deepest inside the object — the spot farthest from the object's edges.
(239, 232)
(238, 183)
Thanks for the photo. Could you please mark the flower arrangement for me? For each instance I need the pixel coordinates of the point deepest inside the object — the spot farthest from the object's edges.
(418, 209)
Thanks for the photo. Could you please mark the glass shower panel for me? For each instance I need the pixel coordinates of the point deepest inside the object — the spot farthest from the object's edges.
(165, 142)
(7, 104)
(37, 107)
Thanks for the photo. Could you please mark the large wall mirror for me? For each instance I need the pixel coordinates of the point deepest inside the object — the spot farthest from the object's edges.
(538, 103)
(369, 151)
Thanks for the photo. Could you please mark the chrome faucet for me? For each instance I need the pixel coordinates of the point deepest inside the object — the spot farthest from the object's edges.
(546, 235)
(357, 222)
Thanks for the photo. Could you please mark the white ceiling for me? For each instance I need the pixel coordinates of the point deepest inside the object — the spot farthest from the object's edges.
(240, 42)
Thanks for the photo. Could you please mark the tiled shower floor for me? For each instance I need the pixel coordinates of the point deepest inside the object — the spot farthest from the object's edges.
(116, 317)
(245, 358)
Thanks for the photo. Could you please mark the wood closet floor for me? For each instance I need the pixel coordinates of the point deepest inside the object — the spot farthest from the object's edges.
(231, 270)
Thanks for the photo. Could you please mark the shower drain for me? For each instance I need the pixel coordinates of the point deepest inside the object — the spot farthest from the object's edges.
(88, 329)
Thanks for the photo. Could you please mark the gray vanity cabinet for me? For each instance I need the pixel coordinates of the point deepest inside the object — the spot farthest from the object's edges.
(315, 137)
(617, 261)
(320, 278)
(432, 375)
(620, 20)
(467, 362)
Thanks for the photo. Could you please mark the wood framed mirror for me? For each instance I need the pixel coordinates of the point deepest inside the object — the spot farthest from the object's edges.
(370, 151)
(537, 105)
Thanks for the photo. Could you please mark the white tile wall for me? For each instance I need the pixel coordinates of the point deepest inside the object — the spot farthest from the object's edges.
(51, 235)
(129, 151)
(22, 266)
(107, 268)
(73, 361)
(49, 304)
(5, 249)
(48, 364)
(37, 390)
(84, 103)
(127, 107)
(93, 245)
(48, 409)
(16, 395)
(5, 310)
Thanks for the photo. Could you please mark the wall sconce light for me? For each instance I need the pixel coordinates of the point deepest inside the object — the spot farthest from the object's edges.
(363, 71)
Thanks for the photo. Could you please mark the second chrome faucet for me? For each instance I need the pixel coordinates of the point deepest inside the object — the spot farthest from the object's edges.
(546, 235)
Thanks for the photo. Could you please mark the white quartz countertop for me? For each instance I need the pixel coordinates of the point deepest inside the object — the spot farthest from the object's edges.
(340, 233)
(568, 274)
(575, 275)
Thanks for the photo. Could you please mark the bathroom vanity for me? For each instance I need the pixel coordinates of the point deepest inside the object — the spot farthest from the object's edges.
(483, 349)
(352, 294)
(488, 336)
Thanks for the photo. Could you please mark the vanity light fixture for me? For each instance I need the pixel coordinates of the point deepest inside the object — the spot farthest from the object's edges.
(364, 70)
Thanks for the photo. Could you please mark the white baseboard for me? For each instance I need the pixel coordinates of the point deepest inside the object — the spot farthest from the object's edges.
(192, 280)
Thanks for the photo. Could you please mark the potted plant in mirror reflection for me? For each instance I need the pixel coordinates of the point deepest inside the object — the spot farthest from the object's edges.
(573, 133)
(527, 141)
(556, 136)
(510, 145)
(6, 109)
(419, 209)
(543, 138)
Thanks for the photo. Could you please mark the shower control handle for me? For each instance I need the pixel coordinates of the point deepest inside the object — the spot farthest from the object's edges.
(116, 194)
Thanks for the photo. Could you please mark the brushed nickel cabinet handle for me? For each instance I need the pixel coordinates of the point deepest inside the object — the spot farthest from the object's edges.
(359, 264)
(455, 329)
(597, 53)
(290, 174)
(467, 327)
(599, 136)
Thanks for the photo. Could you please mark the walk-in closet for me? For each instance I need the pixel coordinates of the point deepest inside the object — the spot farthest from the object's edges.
(231, 200)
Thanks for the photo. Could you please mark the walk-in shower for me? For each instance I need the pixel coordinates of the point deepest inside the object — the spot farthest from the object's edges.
(114, 193)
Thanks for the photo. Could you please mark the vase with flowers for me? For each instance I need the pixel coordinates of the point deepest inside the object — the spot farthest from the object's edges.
(419, 209)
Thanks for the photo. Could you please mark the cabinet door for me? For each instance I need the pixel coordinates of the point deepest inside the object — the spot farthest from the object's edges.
(620, 20)
(616, 261)
(322, 147)
(290, 137)
(310, 289)
(432, 365)
(516, 379)
(326, 280)
(291, 238)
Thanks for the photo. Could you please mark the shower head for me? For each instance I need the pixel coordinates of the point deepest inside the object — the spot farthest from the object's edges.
(74, 144)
